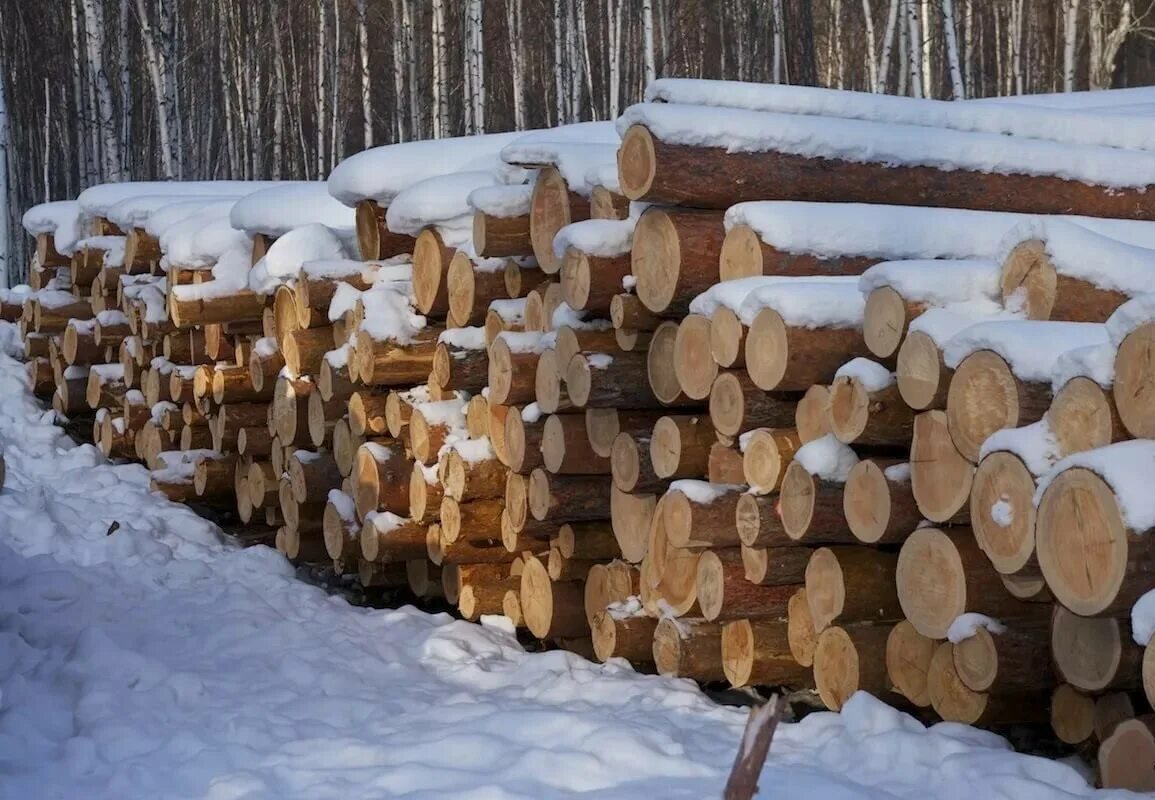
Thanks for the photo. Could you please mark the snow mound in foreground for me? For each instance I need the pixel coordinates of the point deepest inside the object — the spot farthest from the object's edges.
(159, 661)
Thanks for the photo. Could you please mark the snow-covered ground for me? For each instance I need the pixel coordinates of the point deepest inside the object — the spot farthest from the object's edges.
(159, 661)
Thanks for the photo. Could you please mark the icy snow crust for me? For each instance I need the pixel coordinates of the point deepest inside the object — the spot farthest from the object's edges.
(1030, 347)
(279, 209)
(60, 218)
(161, 661)
(934, 281)
(738, 130)
(1071, 127)
(97, 200)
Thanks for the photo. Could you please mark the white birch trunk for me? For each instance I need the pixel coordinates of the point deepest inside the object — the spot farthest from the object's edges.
(109, 142)
(883, 74)
(45, 177)
(582, 41)
(1070, 38)
(779, 42)
(400, 70)
(648, 41)
(125, 93)
(440, 72)
(968, 44)
(366, 85)
(479, 66)
(516, 62)
(336, 150)
(155, 63)
(871, 53)
(914, 48)
(614, 47)
(321, 88)
(926, 62)
(7, 265)
(279, 104)
(558, 64)
(958, 89)
(1105, 45)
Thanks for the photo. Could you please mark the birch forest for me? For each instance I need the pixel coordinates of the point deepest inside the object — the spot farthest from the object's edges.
(105, 90)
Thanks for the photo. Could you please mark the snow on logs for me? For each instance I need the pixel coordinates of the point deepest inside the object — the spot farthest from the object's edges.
(769, 156)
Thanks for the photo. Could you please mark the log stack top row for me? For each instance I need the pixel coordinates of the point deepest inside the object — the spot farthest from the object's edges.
(760, 384)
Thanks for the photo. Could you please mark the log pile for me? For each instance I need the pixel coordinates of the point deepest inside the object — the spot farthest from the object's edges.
(893, 455)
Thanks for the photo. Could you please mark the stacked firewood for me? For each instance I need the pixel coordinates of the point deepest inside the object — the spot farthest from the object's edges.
(700, 412)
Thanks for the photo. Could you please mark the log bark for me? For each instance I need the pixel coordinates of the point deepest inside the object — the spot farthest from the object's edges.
(878, 503)
(851, 584)
(501, 236)
(472, 287)
(628, 312)
(869, 418)
(709, 177)
(604, 424)
(566, 449)
(744, 254)
(568, 499)
(1014, 661)
(631, 638)
(723, 592)
(688, 648)
(631, 467)
(737, 406)
(609, 381)
(512, 374)
(590, 282)
(757, 652)
(381, 479)
(374, 239)
(768, 454)
(551, 208)
(480, 519)
(758, 519)
(680, 446)
(456, 368)
(551, 609)
(386, 363)
(385, 539)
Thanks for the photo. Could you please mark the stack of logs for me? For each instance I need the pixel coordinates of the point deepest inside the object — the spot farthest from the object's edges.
(565, 444)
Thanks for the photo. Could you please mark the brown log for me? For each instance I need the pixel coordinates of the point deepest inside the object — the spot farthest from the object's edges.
(986, 396)
(566, 449)
(431, 259)
(1015, 660)
(669, 574)
(549, 384)
(885, 320)
(862, 417)
(1042, 292)
(800, 633)
(759, 522)
(724, 464)
(606, 203)
(758, 653)
(486, 597)
(1127, 756)
(1083, 417)
(1072, 715)
(388, 537)
(1002, 513)
(571, 498)
(1094, 654)
(312, 476)
(738, 406)
(386, 363)
(1134, 387)
(723, 592)
(213, 477)
(660, 367)
(675, 257)
(604, 424)
(479, 519)
(956, 702)
(692, 523)
(512, 373)
(812, 508)
(940, 477)
(744, 254)
(430, 427)
(631, 516)
(680, 446)
(791, 358)
(472, 480)
(501, 236)
(923, 378)
(689, 648)
(631, 467)
(523, 442)
(694, 366)
(850, 659)
(768, 454)
(631, 638)
(812, 414)
(551, 609)
(775, 565)
(552, 207)
(908, 655)
(46, 253)
(942, 574)
(851, 584)
(380, 479)
(607, 585)
(472, 286)
(878, 503)
(609, 381)
(374, 239)
(628, 313)
(1091, 561)
(662, 172)
(591, 282)
(188, 311)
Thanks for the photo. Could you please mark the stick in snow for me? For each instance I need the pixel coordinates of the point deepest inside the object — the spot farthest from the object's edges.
(760, 727)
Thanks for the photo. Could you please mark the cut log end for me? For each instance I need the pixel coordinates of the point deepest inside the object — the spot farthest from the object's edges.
(940, 476)
(1083, 417)
(931, 582)
(767, 351)
(1028, 280)
(1127, 757)
(922, 378)
(908, 655)
(884, 322)
(1087, 651)
(983, 398)
(1134, 387)
(636, 162)
(1002, 511)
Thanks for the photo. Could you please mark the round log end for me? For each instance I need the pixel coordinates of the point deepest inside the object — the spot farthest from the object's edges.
(578, 380)
(727, 404)
(655, 259)
(1002, 511)
(1086, 650)
(693, 363)
(727, 335)
(884, 322)
(940, 477)
(796, 500)
(983, 398)
(738, 652)
(1134, 387)
(637, 163)
(428, 268)
(836, 668)
(741, 255)
(866, 501)
(767, 351)
(812, 414)
(908, 655)
(849, 408)
(1028, 280)
(1127, 757)
(931, 582)
(976, 661)
(1072, 714)
(919, 371)
(660, 364)
(1082, 417)
(949, 696)
(825, 588)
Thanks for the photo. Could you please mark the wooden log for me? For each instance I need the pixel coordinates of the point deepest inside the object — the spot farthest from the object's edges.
(1091, 561)
(189, 309)
(723, 592)
(724, 464)
(234, 384)
(940, 476)
(425, 494)
(386, 363)
(609, 381)
(460, 368)
(878, 503)
(768, 454)
(523, 442)
(759, 522)
(213, 477)
(604, 424)
(664, 172)
(851, 584)
(608, 585)
(908, 655)
(1043, 292)
(631, 467)
(374, 239)
(46, 253)
(680, 446)
(486, 597)
(367, 413)
(737, 406)
(1083, 417)
(1002, 513)
(850, 659)
(431, 259)
(430, 427)
(1127, 756)
(669, 574)
(689, 648)
(631, 638)
(1134, 387)
(745, 254)
(1013, 661)
(886, 319)
(954, 701)
(566, 449)
(551, 609)
(590, 282)
(694, 366)
(512, 370)
(549, 384)
(923, 378)
(778, 566)
(472, 286)
(660, 367)
(380, 479)
(495, 236)
(675, 257)
(812, 508)
(792, 358)
(1094, 654)
(312, 476)
(568, 499)
(942, 574)
(702, 516)
(466, 480)
(869, 418)
(628, 313)
(304, 348)
(758, 653)
(552, 206)
(1072, 715)
(812, 414)
(387, 537)
(631, 516)
(985, 396)
(479, 519)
